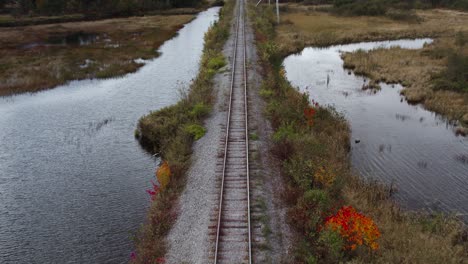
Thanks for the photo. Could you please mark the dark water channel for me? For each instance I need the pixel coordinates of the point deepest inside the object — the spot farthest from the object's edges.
(403, 144)
(72, 176)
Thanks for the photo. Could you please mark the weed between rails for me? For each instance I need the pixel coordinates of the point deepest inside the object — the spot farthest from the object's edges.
(171, 132)
(337, 216)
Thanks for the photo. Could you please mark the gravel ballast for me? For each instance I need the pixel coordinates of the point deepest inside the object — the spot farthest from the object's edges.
(190, 240)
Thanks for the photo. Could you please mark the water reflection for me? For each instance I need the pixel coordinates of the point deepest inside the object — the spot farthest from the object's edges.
(392, 140)
(72, 176)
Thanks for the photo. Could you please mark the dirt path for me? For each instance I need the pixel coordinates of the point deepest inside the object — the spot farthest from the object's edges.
(191, 238)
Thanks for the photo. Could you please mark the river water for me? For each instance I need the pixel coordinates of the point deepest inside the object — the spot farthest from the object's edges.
(72, 176)
(400, 144)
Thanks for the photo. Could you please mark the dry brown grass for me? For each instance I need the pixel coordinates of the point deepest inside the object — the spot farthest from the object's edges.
(42, 67)
(414, 69)
(406, 238)
(302, 26)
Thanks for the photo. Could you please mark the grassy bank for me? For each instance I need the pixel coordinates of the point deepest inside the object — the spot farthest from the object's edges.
(422, 72)
(313, 144)
(41, 57)
(303, 26)
(435, 75)
(171, 132)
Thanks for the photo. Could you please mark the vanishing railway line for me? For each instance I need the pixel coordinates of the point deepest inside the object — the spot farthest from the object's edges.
(233, 234)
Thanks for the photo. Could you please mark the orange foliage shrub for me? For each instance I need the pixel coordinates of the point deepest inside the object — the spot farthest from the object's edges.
(309, 113)
(164, 175)
(355, 228)
(324, 177)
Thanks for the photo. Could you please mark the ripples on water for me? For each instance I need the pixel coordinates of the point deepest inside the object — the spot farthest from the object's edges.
(400, 143)
(72, 177)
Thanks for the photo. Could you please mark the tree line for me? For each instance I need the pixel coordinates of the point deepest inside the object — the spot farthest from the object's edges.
(109, 7)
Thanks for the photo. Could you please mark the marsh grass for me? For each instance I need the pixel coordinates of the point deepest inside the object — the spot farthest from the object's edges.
(420, 71)
(45, 65)
(435, 75)
(315, 164)
(302, 26)
(171, 132)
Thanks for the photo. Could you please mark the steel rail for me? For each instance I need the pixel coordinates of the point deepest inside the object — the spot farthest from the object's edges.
(240, 15)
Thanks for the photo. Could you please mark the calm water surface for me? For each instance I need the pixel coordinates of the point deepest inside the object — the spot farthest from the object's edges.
(72, 176)
(402, 144)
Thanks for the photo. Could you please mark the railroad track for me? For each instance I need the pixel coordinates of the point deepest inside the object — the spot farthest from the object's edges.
(233, 235)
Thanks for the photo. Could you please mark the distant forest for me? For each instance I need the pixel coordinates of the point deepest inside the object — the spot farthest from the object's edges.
(368, 6)
(111, 7)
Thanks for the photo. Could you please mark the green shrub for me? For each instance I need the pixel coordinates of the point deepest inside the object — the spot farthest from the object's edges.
(461, 38)
(196, 131)
(284, 132)
(266, 92)
(437, 53)
(200, 110)
(455, 76)
(407, 15)
(216, 62)
(318, 197)
(438, 223)
(459, 4)
(333, 244)
(311, 260)
(253, 136)
(301, 171)
(360, 8)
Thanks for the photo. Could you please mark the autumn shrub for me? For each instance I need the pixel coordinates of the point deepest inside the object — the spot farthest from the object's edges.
(355, 228)
(163, 174)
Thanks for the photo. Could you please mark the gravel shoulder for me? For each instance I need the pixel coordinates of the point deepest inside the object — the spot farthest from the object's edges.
(272, 235)
(190, 240)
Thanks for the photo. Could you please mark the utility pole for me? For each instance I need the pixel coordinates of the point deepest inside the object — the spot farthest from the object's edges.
(277, 9)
